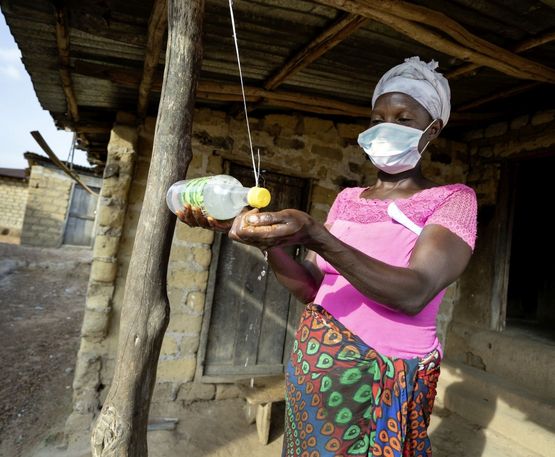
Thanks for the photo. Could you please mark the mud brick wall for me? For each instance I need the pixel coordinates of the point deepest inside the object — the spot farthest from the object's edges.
(48, 198)
(13, 198)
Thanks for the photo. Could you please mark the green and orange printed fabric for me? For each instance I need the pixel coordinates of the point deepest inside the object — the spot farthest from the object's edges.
(345, 399)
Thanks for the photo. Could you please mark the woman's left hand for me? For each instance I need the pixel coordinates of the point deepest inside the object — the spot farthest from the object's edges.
(281, 228)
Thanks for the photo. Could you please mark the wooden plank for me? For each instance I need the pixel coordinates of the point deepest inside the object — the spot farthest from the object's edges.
(157, 25)
(226, 309)
(232, 373)
(525, 45)
(264, 390)
(326, 40)
(52, 156)
(504, 217)
(208, 306)
(251, 301)
(145, 310)
(466, 46)
(62, 43)
(263, 416)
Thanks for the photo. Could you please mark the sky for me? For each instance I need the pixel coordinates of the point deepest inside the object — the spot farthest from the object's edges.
(20, 111)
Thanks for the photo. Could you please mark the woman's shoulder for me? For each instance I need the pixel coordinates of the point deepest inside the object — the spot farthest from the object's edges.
(447, 191)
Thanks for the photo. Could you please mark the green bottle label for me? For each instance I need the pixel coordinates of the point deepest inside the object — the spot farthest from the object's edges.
(193, 192)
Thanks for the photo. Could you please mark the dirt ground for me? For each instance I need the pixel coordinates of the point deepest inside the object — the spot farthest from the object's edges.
(42, 293)
(42, 296)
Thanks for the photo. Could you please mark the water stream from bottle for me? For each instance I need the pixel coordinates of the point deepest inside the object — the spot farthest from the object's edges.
(264, 267)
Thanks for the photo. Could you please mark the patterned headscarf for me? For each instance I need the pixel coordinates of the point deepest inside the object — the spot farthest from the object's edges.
(419, 80)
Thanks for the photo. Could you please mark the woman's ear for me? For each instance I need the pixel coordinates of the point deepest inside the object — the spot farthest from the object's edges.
(431, 133)
(434, 130)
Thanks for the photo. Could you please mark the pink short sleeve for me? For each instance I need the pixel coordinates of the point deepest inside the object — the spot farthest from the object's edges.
(334, 210)
(458, 213)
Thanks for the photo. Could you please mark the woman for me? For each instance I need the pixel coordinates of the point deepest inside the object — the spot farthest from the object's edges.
(365, 362)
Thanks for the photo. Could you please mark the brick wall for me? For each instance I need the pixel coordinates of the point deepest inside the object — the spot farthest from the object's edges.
(47, 204)
(320, 150)
(13, 198)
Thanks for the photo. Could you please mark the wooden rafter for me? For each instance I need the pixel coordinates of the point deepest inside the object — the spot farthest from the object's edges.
(207, 90)
(56, 161)
(325, 41)
(232, 92)
(62, 43)
(157, 25)
(225, 92)
(93, 128)
(463, 45)
(521, 47)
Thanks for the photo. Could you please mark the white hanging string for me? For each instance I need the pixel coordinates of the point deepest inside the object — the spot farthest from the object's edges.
(255, 168)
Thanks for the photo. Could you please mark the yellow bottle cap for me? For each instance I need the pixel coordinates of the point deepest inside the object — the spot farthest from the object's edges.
(258, 197)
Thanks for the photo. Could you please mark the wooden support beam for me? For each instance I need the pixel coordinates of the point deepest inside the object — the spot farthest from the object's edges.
(524, 46)
(92, 127)
(157, 25)
(62, 43)
(498, 96)
(56, 161)
(122, 424)
(463, 45)
(225, 92)
(230, 92)
(330, 37)
(206, 87)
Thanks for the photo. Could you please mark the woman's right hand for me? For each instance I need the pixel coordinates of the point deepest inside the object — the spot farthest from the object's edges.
(193, 217)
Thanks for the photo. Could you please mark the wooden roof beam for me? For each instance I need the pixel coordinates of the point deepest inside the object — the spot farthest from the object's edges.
(521, 47)
(326, 40)
(157, 25)
(62, 43)
(225, 92)
(309, 103)
(405, 18)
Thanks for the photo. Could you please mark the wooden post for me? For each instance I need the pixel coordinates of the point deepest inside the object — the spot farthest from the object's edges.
(122, 425)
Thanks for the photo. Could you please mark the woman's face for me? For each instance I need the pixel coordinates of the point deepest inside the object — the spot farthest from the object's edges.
(402, 109)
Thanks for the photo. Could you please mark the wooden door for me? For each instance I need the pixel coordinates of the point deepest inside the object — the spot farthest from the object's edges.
(250, 318)
(80, 221)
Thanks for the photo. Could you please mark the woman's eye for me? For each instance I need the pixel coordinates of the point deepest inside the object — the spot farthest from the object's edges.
(404, 119)
(376, 121)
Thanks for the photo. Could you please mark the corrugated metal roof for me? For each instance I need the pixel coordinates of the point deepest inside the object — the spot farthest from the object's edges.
(15, 173)
(112, 33)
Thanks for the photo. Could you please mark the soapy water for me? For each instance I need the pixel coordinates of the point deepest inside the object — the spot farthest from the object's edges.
(263, 272)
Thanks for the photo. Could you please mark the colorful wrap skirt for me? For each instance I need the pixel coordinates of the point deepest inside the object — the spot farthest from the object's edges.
(344, 399)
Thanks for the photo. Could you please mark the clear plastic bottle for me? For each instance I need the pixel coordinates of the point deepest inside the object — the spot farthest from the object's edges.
(221, 197)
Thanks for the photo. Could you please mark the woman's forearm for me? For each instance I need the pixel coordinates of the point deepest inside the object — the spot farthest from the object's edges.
(296, 277)
(396, 288)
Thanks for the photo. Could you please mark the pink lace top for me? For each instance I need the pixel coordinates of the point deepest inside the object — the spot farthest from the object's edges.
(365, 225)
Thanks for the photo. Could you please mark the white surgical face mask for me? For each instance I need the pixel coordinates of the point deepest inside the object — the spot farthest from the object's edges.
(392, 148)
